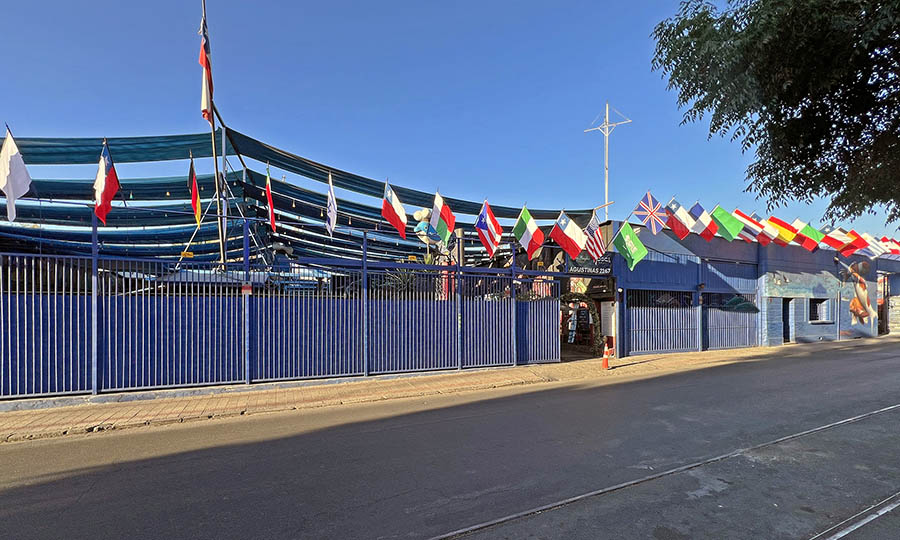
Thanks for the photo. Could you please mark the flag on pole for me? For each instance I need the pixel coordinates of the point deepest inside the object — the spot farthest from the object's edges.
(752, 228)
(269, 199)
(568, 235)
(106, 185)
(528, 233)
(786, 232)
(769, 232)
(855, 244)
(489, 230)
(729, 226)
(442, 219)
(874, 247)
(595, 245)
(651, 213)
(703, 223)
(331, 215)
(629, 246)
(195, 193)
(807, 236)
(891, 244)
(835, 238)
(206, 89)
(392, 210)
(14, 178)
(679, 220)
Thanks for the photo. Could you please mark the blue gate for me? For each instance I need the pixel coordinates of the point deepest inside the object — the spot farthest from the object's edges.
(660, 321)
(537, 321)
(730, 321)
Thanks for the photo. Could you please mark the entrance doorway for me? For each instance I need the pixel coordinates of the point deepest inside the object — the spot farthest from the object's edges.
(786, 318)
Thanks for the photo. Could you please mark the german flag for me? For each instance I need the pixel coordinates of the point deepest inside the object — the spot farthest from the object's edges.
(195, 192)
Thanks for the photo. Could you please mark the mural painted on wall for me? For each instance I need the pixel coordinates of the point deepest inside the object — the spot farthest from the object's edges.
(853, 284)
(861, 310)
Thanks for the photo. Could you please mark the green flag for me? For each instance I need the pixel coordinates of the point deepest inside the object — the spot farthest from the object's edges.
(629, 245)
(729, 226)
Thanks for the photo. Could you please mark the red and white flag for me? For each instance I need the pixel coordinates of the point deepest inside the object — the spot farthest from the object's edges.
(679, 220)
(106, 185)
(891, 244)
(568, 235)
(206, 92)
(595, 245)
(752, 228)
(489, 230)
(392, 210)
(269, 199)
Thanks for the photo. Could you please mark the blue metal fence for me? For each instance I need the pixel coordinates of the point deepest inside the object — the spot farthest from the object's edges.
(160, 324)
(660, 321)
(730, 321)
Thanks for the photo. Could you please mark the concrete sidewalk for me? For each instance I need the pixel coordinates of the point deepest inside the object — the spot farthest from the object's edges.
(36, 419)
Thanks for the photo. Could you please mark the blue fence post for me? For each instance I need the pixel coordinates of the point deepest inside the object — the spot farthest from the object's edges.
(459, 304)
(95, 252)
(512, 297)
(699, 308)
(246, 301)
(364, 301)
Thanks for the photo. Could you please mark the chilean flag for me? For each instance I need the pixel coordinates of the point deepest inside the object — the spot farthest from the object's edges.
(704, 225)
(206, 91)
(679, 220)
(568, 235)
(392, 210)
(106, 184)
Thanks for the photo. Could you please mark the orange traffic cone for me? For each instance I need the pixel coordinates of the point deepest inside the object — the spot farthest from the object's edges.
(606, 352)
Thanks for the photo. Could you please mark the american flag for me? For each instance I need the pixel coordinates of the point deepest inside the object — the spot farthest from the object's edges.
(595, 245)
(651, 213)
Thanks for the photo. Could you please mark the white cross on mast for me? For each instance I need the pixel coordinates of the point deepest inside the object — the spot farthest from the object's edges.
(607, 128)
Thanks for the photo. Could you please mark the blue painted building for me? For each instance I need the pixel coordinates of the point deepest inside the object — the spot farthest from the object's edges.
(695, 295)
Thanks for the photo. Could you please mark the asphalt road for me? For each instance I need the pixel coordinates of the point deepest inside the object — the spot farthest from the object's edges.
(424, 468)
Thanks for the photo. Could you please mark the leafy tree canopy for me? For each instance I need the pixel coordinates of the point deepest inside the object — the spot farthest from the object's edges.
(812, 86)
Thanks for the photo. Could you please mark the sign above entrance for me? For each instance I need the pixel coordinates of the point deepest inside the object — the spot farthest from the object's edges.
(587, 266)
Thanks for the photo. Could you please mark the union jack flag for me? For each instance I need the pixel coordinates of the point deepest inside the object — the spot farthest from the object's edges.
(651, 213)
(595, 245)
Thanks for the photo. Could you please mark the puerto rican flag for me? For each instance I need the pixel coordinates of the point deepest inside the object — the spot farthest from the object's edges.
(106, 185)
(568, 235)
(489, 230)
(206, 90)
(703, 224)
(392, 210)
(595, 245)
(679, 220)
(651, 213)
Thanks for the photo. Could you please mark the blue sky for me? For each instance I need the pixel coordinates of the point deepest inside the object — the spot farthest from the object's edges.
(478, 99)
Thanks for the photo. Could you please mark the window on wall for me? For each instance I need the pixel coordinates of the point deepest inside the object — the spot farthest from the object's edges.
(819, 310)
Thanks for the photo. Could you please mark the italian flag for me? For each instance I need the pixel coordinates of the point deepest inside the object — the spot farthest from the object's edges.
(807, 235)
(442, 219)
(527, 233)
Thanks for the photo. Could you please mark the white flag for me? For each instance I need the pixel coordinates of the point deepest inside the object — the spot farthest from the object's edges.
(331, 222)
(14, 178)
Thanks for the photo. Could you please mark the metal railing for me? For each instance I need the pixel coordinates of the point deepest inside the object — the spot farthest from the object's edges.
(101, 324)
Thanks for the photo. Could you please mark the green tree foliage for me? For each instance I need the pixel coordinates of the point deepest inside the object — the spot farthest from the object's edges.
(812, 86)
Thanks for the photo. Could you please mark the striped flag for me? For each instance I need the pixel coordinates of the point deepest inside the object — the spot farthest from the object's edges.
(856, 243)
(392, 210)
(786, 232)
(651, 213)
(442, 219)
(195, 193)
(752, 228)
(331, 214)
(528, 233)
(807, 235)
(679, 220)
(489, 230)
(595, 245)
(269, 200)
(891, 244)
(568, 235)
(206, 90)
(768, 233)
(874, 247)
(704, 225)
(106, 185)
(835, 238)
